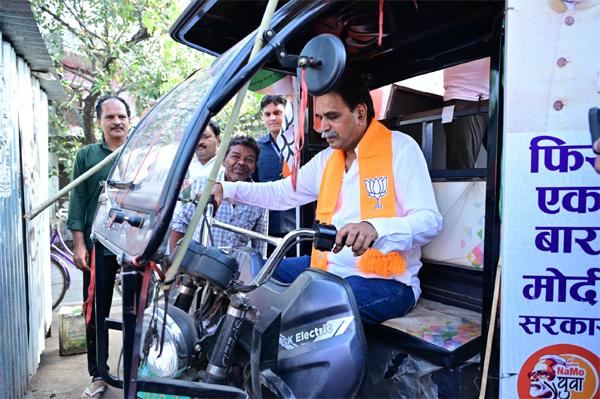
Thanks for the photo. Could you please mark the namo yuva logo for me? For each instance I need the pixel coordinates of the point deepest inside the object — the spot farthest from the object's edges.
(560, 371)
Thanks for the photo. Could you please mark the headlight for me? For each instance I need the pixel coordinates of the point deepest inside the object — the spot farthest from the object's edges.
(180, 336)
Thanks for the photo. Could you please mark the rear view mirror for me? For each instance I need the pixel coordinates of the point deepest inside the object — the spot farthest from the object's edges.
(324, 58)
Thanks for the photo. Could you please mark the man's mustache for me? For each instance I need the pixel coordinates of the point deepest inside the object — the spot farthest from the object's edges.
(329, 134)
(118, 127)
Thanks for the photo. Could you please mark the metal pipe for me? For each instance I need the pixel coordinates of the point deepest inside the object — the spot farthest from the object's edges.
(269, 267)
(252, 234)
(73, 184)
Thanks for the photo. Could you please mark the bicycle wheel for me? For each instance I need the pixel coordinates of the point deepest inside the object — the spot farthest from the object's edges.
(58, 282)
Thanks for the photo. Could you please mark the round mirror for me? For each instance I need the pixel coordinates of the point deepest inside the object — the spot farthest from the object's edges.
(326, 57)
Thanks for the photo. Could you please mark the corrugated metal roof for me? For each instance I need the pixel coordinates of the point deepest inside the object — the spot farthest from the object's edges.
(19, 28)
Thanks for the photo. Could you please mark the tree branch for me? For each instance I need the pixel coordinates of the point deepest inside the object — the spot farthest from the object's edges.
(123, 89)
(60, 20)
(80, 72)
(65, 24)
(81, 24)
(109, 60)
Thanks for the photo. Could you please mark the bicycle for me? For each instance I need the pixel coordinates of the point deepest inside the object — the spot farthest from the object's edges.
(60, 257)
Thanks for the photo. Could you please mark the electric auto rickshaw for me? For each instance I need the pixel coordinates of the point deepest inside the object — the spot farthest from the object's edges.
(241, 338)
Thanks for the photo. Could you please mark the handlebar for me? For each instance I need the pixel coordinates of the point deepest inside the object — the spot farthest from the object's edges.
(323, 236)
(62, 214)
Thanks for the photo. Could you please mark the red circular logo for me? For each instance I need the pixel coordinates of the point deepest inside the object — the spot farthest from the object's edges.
(560, 371)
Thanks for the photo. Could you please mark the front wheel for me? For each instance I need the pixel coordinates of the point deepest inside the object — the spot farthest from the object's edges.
(59, 282)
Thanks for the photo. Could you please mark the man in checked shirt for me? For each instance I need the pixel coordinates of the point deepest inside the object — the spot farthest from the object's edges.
(240, 163)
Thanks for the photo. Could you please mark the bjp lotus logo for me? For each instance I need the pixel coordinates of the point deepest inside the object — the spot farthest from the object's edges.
(377, 189)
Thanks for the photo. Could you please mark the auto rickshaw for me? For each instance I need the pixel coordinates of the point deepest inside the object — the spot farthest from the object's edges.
(442, 340)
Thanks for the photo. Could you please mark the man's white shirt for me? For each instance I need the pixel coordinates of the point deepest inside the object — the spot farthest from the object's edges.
(419, 221)
(197, 169)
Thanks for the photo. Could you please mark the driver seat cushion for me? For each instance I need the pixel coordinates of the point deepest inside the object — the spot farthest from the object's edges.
(442, 334)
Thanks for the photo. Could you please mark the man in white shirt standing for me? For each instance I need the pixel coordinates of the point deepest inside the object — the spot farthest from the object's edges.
(203, 161)
(374, 186)
(200, 165)
(206, 151)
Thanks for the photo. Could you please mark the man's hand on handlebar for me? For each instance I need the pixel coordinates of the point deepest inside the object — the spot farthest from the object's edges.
(359, 236)
(217, 193)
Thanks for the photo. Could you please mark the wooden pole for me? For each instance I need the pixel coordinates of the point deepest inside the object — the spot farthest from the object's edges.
(490, 334)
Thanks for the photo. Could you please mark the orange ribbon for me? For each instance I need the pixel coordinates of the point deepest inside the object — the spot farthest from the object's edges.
(377, 196)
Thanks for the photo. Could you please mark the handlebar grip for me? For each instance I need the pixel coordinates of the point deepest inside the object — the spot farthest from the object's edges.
(324, 236)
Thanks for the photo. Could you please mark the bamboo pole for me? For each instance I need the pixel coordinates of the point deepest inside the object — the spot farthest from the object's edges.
(225, 138)
(73, 184)
(490, 334)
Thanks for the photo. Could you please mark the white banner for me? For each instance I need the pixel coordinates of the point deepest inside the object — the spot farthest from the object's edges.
(550, 312)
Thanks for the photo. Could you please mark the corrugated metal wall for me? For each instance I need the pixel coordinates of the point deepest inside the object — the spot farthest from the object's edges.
(25, 311)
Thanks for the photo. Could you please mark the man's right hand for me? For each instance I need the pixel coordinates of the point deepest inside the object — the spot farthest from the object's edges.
(217, 192)
(80, 252)
(80, 257)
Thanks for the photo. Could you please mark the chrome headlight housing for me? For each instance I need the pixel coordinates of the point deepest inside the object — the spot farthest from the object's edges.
(177, 353)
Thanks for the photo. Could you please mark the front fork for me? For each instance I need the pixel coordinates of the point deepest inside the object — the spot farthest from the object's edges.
(220, 359)
(130, 284)
(130, 280)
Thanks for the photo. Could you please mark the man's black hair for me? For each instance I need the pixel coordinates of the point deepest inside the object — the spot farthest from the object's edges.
(268, 99)
(214, 127)
(246, 141)
(354, 92)
(101, 101)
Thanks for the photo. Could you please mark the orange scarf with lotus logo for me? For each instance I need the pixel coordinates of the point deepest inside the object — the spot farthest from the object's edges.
(377, 197)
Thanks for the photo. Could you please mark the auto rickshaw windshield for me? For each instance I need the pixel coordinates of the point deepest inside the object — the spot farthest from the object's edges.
(147, 158)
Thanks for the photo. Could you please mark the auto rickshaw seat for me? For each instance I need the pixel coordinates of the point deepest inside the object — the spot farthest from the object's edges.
(445, 326)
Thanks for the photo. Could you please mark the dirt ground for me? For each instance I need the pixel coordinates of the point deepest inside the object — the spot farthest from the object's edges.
(67, 376)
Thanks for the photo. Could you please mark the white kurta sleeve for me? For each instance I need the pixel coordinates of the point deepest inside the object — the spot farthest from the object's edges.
(280, 195)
